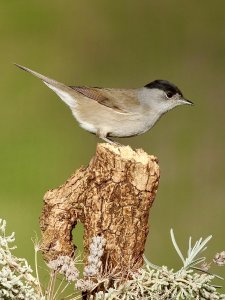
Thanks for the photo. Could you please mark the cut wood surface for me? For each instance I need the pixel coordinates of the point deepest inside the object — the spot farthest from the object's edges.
(112, 198)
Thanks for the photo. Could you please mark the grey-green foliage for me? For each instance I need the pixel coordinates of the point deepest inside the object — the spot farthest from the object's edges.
(150, 282)
(159, 283)
(164, 284)
(16, 281)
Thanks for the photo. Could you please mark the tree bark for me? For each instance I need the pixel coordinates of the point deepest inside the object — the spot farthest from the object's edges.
(112, 198)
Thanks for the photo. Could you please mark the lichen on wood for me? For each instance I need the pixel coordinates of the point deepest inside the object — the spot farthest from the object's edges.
(112, 197)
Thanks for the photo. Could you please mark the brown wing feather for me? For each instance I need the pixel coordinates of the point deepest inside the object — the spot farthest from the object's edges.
(90, 93)
(98, 95)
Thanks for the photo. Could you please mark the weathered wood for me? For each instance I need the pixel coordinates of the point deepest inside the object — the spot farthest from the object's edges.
(112, 198)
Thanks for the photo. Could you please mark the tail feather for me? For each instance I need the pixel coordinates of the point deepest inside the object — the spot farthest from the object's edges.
(63, 91)
(40, 76)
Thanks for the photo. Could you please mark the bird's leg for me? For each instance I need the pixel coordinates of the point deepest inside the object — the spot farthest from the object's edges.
(104, 138)
(110, 141)
(102, 135)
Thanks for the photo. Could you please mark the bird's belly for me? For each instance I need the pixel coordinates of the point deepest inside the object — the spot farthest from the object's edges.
(88, 126)
(130, 128)
(114, 124)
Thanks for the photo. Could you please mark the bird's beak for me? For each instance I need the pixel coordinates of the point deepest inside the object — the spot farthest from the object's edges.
(185, 101)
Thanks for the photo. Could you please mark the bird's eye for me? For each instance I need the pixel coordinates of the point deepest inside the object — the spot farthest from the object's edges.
(169, 94)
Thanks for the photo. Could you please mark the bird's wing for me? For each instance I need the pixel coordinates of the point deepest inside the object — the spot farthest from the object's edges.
(120, 100)
(123, 101)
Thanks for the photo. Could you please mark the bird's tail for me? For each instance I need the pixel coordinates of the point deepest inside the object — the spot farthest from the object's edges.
(62, 90)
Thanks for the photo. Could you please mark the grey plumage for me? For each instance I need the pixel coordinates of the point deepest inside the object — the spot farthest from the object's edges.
(110, 112)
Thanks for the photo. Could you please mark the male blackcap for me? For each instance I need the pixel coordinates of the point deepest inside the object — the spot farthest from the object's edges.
(115, 112)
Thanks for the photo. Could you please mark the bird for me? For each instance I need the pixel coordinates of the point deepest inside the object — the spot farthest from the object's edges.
(117, 112)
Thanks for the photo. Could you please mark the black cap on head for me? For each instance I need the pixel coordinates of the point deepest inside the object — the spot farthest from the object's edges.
(164, 85)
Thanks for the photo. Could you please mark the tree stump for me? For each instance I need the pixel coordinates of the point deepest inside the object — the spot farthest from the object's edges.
(112, 198)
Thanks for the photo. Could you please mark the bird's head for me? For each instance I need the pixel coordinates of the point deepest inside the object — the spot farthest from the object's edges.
(162, 96)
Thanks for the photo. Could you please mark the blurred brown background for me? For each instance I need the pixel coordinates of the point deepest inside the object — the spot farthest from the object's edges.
(115, 44)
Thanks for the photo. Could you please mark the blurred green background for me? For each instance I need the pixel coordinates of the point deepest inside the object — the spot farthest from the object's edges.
(115, 44)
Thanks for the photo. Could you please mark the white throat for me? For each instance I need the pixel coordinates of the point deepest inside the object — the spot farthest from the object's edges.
(155, 101)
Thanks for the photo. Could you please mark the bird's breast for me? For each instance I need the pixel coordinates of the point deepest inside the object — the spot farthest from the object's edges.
(95, 118)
